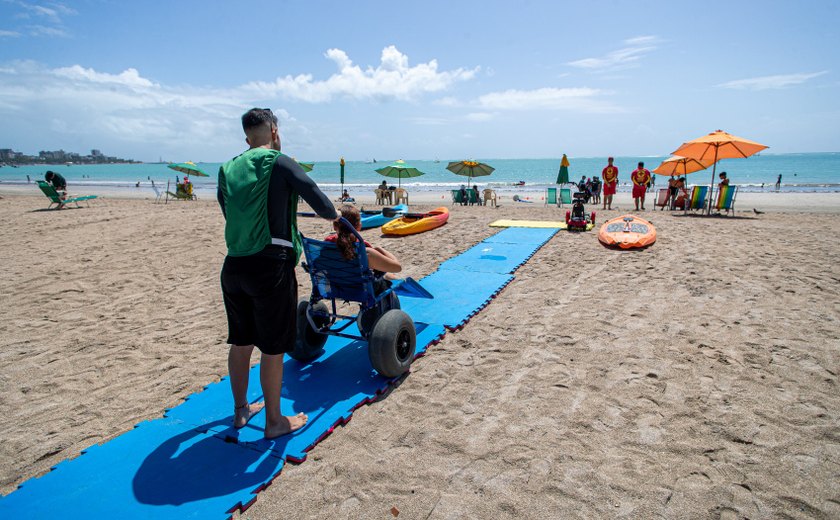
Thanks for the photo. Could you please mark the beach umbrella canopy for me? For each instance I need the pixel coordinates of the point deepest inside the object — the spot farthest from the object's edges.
(676, 166)
(563, 174)
(718, 145)
(188, 168)
(399, 170)
(307, 167)
(470, 169)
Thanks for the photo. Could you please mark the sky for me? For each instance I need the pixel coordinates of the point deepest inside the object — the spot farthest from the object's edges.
(417, 80)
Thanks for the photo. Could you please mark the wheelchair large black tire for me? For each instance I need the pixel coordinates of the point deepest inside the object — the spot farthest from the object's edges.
(392, 343)
(309, 344)
(366, 320)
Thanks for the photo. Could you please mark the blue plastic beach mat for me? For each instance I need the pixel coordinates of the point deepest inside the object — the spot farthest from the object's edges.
(193, 464)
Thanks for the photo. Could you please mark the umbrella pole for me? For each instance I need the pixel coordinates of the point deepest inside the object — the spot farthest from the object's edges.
(712, 185)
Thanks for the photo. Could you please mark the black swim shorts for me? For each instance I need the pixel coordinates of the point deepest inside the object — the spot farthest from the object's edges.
(260, 294)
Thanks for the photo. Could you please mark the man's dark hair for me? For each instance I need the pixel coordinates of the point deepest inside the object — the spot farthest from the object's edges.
(49, 175)
(258, 117)
(641, 164)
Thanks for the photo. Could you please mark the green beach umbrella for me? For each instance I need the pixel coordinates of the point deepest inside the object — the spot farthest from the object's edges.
(470, 169)
(307, 167)
(399, 170)
(188, 168)
(563, 174)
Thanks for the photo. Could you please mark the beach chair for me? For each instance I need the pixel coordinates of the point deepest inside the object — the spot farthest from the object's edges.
(55, 198)
(387, 329)
(158, 194)
(382, 196)
(457, 198)
(698, 198)
(183, 191)
(490, 195)
(401, 195)
(565, 196)
(662, 199)
(551, 196)
(726, 199)
(472, 196)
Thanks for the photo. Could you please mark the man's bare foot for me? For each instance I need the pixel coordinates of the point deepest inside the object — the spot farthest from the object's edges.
(287, 424)
(242, 414)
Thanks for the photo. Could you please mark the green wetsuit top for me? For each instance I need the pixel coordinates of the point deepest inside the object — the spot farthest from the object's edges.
(258, 193)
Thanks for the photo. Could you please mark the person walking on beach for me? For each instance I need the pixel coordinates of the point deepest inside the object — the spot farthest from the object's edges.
(610, 176)
(779, 183)
(641, 179)
(258, 194)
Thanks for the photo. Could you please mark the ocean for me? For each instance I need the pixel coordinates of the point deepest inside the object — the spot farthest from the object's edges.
(801, 172)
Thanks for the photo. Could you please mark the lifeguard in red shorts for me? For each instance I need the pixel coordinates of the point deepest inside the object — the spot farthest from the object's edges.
(610, 176)
(640, 178)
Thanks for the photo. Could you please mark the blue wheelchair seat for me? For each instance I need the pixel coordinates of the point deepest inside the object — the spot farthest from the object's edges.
(351, 280)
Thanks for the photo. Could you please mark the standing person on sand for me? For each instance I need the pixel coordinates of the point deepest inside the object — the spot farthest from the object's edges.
(610, 176)
(640, 178)
(258, 193)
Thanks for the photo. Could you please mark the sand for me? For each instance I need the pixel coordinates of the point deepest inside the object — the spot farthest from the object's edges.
(697, 378)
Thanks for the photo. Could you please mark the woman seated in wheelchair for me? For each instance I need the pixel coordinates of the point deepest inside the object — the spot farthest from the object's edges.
(381, 262)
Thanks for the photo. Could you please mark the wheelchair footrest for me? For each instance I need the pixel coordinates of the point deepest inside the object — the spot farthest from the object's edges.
(411, 288)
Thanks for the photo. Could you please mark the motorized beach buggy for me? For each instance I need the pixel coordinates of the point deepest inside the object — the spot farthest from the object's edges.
(388, 330)
(577, 219)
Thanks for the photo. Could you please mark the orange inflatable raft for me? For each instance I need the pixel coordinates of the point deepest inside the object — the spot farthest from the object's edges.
(627, 232)
(412, 223)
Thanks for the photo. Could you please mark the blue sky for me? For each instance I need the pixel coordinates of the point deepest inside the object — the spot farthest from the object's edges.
(417, 80)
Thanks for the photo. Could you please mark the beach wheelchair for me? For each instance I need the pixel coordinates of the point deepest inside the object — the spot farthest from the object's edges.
(388, 330)
(577, 219)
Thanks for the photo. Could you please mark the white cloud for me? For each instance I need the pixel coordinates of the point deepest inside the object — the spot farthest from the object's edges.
(582, 99)
(772, 82)
(9, 34)
(119, 111)
(480, 116)
(447, 101)
(429, 121)
(52, 13)
(626, 57)
(393, 78)
(46, 18)
(128, 78)
(125, 111)
(43, 30)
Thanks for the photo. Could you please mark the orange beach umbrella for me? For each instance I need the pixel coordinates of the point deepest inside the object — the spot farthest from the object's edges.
(716, 146)
(675, 166)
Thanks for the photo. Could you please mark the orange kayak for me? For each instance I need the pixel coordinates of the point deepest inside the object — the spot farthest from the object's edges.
(627, 232)
(412, 223)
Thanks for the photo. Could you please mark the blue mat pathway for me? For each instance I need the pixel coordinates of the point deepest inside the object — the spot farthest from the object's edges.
(192, 464)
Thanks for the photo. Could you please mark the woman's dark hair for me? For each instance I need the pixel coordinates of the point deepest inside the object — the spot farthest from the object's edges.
(346, 240)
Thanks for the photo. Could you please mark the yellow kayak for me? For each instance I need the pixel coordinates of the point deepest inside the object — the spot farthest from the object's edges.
(412, 223)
